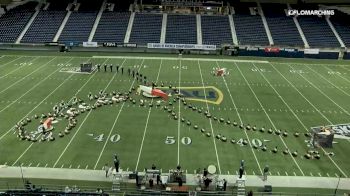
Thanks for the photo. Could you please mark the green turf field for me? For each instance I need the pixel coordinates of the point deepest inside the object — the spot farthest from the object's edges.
(284, 95)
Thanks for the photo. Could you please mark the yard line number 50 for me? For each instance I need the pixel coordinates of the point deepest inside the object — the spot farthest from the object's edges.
(184, 140)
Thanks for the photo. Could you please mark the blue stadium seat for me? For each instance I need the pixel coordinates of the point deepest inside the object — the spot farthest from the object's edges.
(317, 32)
(283, 29)
(13, 22)
(216, 30)
(44, 27)
(181, 29)
(341, 23)
(146, 28)
(112, 27)
(78, 27)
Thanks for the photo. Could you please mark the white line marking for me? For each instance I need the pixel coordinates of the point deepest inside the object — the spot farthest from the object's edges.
(267, 115)
(210, 121)
(86, 166)
(286, 173)
(70, 166)
(319, 174)
(38, 165)
(336, 175)
(88, 114)
(316, 110)
(240, 119)
(145, 130)
(37, 69)
(294, 174)
(311, 174)
(46, 165)
(178, 121)
(328, 174)
(62, 166)
(30, 164)
(11, 61)
(278, 173)
(78, 166)
(115, 121)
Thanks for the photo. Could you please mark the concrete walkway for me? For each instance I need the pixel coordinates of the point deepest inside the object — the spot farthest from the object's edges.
(191, 179)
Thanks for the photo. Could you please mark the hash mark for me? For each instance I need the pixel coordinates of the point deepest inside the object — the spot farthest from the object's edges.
(38, 165)
(319, 174)
(62, 165)
(295, 174)
(78, 166)
(327, 174)
(46, 165)
(86, 166)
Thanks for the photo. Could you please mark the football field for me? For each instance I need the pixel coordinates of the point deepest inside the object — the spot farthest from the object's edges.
(286, 97)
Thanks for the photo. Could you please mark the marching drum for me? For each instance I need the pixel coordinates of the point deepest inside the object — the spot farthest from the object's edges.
(211, 169)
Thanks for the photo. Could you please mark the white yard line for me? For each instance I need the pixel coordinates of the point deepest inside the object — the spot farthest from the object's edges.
(241, 122)
(25, 151)
(37, 69)
(267, 115)
(86, 117)
(345, 111)
(149, 114)
(316, 110)
(27, 114)
(33, 87)
(12, 61)
(178, 121)
(325, 79)
(19, 67)
(210, 121)
(340, 75)
(40, 104)
(115, 121)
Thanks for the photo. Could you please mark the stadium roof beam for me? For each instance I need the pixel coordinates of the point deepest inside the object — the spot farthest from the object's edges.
(64, 22)
(233, 30)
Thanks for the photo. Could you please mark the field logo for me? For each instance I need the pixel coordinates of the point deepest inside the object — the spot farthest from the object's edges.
(212, 94)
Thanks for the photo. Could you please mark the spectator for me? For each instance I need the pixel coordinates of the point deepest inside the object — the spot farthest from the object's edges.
(106, 169)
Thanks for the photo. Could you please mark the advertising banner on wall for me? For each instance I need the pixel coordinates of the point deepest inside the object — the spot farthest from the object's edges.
(273, 50)
(90, 44)
(182, 46)
(311, 51)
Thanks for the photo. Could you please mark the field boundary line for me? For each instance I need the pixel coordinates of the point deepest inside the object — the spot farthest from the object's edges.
(317, 111)
(37, 69)
(210, 122)
(149, 114)
(86, 117)
(239, 116)
(33, 87)
(19, 57)
(43, 101)
(267, 115)
(116, 120)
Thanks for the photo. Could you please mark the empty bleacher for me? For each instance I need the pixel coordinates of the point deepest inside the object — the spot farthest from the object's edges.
(146, 28)
(13, 22)
(317, 32)
(46, 24)
(283, 29)
(80, 23)
(112, 27)
(341, 23)
(181, 29)
(249, 28)
(216, 30)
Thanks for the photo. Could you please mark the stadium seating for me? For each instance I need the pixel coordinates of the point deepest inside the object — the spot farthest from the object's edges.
(216, 30)
(78, 27)
(112, 27)
(249, 28)
(44, 27)
(181, 29)
(317, 32)
(283, 29)
(341, 23)
(146, 28)
(13, 22)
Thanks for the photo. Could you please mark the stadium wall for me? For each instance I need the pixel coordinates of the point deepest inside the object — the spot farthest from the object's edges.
(241, 51)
